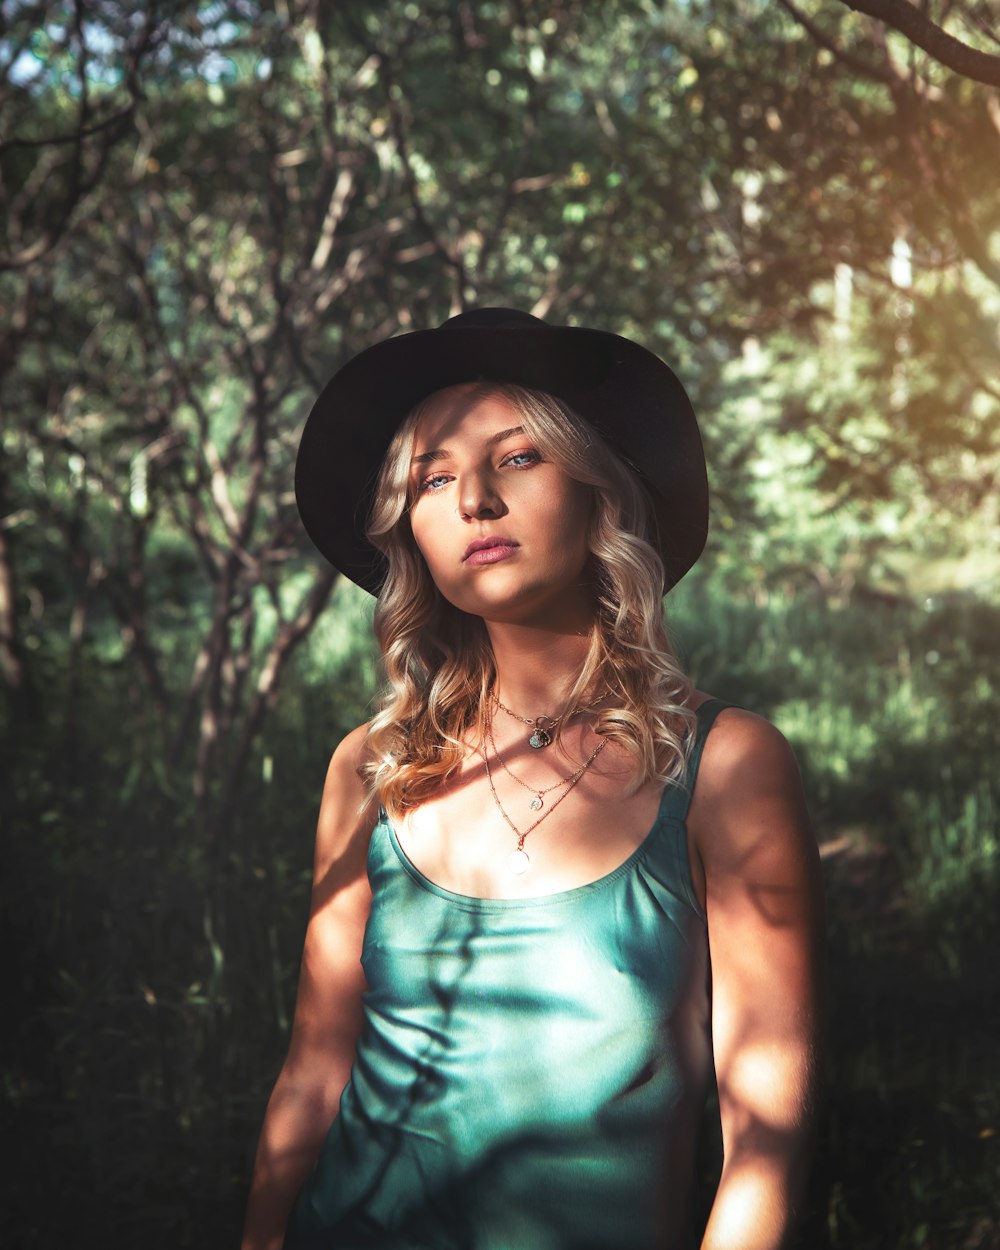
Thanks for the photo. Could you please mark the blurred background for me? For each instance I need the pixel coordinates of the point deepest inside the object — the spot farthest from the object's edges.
(205, 208)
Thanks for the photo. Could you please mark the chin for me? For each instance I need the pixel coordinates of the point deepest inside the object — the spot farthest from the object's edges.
(560, 611)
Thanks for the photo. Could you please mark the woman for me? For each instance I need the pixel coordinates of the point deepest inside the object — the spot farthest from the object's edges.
(554, 884)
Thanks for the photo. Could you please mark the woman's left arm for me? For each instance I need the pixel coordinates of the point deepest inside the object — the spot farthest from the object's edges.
(766, 932)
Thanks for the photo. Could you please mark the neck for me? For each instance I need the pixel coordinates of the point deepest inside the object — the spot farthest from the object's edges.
(536, 668)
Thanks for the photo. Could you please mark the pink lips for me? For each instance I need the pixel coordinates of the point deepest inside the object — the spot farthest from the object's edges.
(488, 550)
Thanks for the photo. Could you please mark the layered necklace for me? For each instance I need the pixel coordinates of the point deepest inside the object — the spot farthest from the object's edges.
(543, 727)
(518, 861)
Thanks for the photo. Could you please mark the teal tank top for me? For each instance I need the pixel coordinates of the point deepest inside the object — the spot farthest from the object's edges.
(531, 1072)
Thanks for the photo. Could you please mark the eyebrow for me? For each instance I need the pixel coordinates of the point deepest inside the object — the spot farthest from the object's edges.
(442, 453)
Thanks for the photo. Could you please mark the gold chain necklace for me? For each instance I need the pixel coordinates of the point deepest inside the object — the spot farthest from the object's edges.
(542, 727)
(518, 861)
(537, 794)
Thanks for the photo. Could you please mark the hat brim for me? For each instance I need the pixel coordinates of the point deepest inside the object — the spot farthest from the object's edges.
(628, 394)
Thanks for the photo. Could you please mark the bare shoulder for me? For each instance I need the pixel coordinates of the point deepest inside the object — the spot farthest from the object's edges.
(743, 748)
(347, 812)
(748, 795)
(347, 759)
(331, 982)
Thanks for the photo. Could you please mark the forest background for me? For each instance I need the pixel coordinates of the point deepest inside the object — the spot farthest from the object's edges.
(206, 208)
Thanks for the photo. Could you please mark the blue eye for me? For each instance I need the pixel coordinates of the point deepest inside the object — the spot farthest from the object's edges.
(521, 459)
(434, 482)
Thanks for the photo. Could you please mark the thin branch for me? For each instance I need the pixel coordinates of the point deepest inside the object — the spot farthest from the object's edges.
(337, 207)
(862, 68)
(919, 29)
(85, 132)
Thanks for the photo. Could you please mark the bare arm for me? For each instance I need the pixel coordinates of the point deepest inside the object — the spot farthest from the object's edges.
(328, 1014)
(766, 936)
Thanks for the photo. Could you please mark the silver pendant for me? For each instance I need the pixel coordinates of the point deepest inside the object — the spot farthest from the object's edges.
(536, 803)
(539, 739)
(517, 862)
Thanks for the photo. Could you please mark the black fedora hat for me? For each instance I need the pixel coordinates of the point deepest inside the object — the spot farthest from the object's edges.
(628, 394)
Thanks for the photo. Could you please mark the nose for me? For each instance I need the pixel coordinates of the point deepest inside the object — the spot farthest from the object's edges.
(478, 497)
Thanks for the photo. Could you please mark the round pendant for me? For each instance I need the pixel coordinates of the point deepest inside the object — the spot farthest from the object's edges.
(536, 803)
(539, 739)
(517, 862)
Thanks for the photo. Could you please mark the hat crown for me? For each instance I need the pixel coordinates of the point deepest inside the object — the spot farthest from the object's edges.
(492, 318)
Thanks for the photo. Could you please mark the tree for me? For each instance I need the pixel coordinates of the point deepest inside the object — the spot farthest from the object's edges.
(211, 209)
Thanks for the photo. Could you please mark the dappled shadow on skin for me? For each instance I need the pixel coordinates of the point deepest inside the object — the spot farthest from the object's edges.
(909, 1137)
(908, 1140)
(749, 1183)
(464, 1124)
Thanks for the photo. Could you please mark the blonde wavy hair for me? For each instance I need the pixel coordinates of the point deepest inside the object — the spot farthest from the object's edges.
(438, 664)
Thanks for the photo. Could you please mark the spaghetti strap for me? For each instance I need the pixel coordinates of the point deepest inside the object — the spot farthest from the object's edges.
(677, 799)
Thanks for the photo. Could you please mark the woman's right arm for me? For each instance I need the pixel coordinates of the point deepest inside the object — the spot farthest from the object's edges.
(328, 1014)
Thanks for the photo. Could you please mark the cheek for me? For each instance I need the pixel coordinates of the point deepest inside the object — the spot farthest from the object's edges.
(421, 528)
(427, 540)
(576, 516)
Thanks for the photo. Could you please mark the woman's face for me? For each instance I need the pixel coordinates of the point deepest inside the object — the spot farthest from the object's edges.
(503, 531)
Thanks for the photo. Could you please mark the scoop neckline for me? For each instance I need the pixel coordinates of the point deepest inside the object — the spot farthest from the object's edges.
(476, 902)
